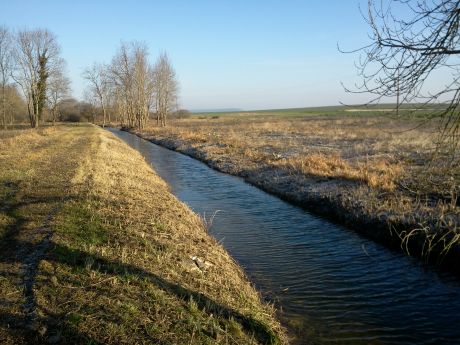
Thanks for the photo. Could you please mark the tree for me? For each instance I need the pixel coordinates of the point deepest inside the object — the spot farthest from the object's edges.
(132, 84)
(36, 55)
(412, 40)
(143, 84)
(72, 110)
(92, 101)
(58, 89)
(6, 65)
(15, 105)
(166, 88)
(98, 78)
(122, 79)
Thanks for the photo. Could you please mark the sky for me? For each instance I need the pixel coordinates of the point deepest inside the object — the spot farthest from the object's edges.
(227, 54)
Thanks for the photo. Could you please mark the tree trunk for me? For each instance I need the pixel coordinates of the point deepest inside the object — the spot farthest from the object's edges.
(36, 116)
(53, 113)
(3, 106)
(103, 115)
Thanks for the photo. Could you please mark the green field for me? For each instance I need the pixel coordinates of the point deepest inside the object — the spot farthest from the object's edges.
(411, 110)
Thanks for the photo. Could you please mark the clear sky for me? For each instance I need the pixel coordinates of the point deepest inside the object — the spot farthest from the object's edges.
(245, 54)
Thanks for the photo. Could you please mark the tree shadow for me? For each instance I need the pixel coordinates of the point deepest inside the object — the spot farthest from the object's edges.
(21, 258)
(9, 244)
(20, 325)
(77, 258)
(20, 330)
(22, 252)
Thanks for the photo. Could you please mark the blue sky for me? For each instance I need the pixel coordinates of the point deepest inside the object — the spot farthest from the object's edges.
(227, 54)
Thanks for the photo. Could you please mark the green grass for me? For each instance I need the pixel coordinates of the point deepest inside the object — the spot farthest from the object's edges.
(78, 222)
(406, 110)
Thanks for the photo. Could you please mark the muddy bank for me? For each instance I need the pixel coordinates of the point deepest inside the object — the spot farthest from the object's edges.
(352, 203)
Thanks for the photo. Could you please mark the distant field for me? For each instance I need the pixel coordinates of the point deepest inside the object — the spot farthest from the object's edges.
(339, 110)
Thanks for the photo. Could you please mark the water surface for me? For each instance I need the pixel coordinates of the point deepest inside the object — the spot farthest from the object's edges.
(331, 285)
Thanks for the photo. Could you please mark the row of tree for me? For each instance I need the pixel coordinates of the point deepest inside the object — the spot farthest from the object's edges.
(30, 60)
(131, 88)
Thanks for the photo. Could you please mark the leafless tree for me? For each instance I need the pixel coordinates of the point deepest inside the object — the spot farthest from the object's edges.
(118, 105)
(15, 105)
(132, 84)
(36, 54)
(6, 66)
(93, 101)
(122, 78)
(411, 41)
(58, 89)
(166, 88)
(98, 78)
(143, 84)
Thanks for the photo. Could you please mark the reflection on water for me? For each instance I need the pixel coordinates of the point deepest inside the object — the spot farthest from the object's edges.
(330, 284)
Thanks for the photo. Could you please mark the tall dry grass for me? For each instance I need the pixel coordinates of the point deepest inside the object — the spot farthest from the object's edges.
(376, 151)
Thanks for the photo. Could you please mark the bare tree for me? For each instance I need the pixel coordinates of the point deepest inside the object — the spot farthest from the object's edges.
(133, 84)
(411, 40)
(93, 101)
(166, 88)
(97, 76)
(58, 89)
(143, 84)
(16, 108)
(122, 78)
(6, 65)
(36, 53)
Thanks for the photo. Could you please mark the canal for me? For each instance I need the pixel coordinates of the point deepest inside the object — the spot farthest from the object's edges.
(331, 285)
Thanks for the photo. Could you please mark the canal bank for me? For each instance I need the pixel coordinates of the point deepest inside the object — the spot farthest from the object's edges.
(94, 249)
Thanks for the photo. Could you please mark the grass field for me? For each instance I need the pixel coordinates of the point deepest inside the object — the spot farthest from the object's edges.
(413, 111)
(95, 250)
(361, 167)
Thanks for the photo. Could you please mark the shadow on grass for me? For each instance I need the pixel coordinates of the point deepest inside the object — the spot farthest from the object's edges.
(26, 326)
(16, 329)
(78, 258)
(11, 249)
(21, 259)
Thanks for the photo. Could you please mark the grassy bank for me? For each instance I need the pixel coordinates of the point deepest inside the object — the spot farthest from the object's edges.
(95, 250)
(372, 172)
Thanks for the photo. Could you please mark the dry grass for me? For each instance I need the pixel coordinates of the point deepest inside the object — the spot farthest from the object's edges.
(373, 167)
(373, 150)
(127, 262)
(378, 173)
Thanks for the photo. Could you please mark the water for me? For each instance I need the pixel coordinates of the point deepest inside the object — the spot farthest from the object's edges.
(331, 285)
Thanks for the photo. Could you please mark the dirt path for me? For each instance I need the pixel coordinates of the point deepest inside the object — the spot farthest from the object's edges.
(29, 271)
(36, 185)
